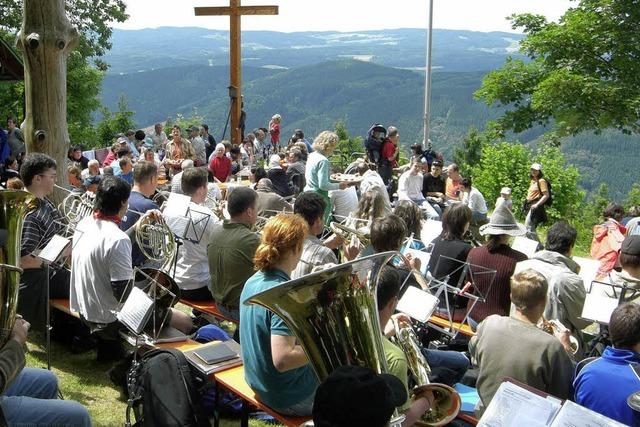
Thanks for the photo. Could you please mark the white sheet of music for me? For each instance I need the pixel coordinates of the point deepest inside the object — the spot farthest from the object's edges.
(54, 248)
(430, 230)
(417, 304)
(588, 269)
(514, 406)
(574, 415)
(525, 245)
(136, 310)
(598, 305)
(421, 255)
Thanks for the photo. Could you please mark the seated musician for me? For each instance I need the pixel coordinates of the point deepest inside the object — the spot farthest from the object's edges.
(275, 367)
(145, 182)
(605, 384)
(354, 396)
(231, 251)
(629, 276)
(388, 234)
(192, 269)
(101, 267)
(39, 176)
(388, 291)
(515, 347)
(310, 206)
(29, 396)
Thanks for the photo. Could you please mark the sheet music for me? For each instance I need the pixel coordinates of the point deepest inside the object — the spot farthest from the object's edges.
(598, 305)
(430, 230)
(417, 304)
(525, 245)
(54, 248)
(574, 415)
(136, 310)
(588, 270)
(514, 406)
(421, 255)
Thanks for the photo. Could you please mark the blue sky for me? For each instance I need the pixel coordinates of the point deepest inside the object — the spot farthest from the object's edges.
(345, 15)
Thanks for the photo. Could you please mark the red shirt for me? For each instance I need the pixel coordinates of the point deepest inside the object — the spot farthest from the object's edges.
(220, 167)
(109, 159)
(274, 131)
(388, 152)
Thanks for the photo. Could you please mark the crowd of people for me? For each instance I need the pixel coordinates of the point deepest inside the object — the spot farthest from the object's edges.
(290, 194)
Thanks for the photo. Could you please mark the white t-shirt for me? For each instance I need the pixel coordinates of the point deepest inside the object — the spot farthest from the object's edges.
(475, 200)
(344, 202)
(101, 255)
(410, 186)
(192, 268)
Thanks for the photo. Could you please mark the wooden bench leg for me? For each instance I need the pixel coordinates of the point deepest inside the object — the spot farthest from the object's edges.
(244, 416)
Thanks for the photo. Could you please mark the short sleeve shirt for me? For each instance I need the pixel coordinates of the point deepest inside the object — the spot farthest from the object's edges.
(279, 390)
(40, 226)
(137, 203)
(397, 366)
(101, 255)
(536, 188)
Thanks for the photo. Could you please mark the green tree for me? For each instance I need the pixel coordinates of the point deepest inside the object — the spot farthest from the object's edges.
(113, 123)
(348, 148)
(583, 73)
(470, 153)
(633, 198)
(194, 119)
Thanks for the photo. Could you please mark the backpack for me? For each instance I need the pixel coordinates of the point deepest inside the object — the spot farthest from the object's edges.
(549, 201)
(162, 392)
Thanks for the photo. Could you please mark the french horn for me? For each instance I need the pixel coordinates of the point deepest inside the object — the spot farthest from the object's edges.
(552, 326)
(447, 401)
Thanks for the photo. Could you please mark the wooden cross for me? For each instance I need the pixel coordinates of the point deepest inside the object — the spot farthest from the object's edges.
(235, 11)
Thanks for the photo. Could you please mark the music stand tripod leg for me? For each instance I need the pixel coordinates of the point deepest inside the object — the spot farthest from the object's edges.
(48, 314)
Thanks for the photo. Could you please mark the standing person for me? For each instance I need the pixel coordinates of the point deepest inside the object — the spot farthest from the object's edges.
(607, 239)
(198, 145)
(541, 361)
(242, 123)
(275, 366)
(177, 150)
(318, 169)
(537, 196)
(220, 164)
(300, 137)
(231, 251)
(274, 132)
(15, 139)
(29, 396)
(39, 174)
(209, 140)
(605, 384)
(496, 255)
(158, 137)
(388, 154)
(259, 145)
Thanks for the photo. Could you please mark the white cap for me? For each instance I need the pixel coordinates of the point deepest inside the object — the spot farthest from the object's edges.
(505, 190)
(274, 162)
(536, 166)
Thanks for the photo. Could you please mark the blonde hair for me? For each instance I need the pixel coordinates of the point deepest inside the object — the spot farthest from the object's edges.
(528, 289)
(326, 142)
(281, 235)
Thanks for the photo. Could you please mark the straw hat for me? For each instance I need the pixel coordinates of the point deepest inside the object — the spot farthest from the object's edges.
(502, 221)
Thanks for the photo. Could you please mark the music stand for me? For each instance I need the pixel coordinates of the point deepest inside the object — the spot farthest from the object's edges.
(49, 255)
(443, 289)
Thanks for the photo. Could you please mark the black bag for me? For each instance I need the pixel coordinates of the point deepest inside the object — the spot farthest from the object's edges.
(162, 392)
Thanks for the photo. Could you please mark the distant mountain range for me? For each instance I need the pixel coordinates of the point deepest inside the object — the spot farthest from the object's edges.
(313, 87)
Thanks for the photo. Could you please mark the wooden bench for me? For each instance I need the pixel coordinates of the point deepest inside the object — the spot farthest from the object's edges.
(233, 381)
(208, 307)
(445, 324)
(63, 305)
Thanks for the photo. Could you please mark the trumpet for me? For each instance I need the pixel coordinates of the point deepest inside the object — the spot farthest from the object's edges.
(552, 326)
(447, 401)
(347, 233)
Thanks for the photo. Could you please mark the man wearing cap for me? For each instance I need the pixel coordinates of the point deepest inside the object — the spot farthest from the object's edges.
(537, 196)
(355, 396)
(278, 177)
(91, 183)
(505, 197)
(605, 384)
(566, 288)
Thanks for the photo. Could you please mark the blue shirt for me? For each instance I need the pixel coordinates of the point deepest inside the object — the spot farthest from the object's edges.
(605, 384)
(279, 390)
(126, 176)
(138, 203)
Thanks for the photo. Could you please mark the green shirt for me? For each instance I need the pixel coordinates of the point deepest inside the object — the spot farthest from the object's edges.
(279, 390)
(397, 366)
(231, 261)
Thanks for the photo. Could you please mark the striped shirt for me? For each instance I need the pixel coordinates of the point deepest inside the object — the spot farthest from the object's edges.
(314, 253)
(40, 226)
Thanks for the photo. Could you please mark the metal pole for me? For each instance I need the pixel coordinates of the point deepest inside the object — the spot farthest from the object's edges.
(427, 78)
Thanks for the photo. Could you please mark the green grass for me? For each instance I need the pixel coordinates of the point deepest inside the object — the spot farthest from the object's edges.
(85, 380)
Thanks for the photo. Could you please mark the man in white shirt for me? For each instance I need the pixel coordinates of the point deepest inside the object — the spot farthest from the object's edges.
(192, 268)
(101, 268)
(344, 202)
(410, 184)
(371, 180)
(473, 198)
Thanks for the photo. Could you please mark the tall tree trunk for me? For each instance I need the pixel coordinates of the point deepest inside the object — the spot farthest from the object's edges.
(46, 39)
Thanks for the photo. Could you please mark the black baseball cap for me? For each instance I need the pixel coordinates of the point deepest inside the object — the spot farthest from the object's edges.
(355, 396)
(631, 245)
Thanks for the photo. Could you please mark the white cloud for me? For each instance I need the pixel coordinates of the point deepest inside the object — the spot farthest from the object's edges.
(344, 15)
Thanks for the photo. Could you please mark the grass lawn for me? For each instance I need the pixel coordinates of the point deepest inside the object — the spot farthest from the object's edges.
(85, 380)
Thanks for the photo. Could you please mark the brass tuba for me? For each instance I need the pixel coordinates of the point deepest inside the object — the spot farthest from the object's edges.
(14, 206)
(447, 401)
(334, 315)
